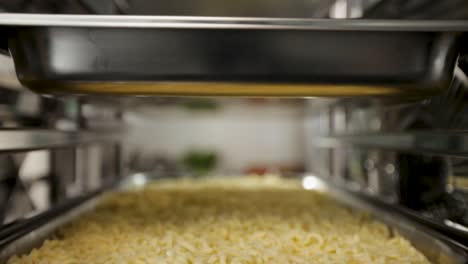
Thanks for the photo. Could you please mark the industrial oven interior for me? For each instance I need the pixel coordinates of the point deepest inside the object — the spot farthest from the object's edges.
(301, 131)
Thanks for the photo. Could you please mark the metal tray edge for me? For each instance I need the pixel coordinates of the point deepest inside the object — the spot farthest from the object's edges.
(15, 19)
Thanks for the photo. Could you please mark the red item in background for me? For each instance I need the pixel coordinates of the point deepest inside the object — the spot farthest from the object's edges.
(257, 170)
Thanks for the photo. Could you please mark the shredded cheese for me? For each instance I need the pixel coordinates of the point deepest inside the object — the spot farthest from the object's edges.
(223, 221)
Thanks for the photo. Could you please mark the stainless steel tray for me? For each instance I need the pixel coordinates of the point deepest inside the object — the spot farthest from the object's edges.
(436, 247)
(164, 55)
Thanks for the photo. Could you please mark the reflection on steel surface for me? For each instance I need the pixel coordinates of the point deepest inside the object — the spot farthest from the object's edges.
(450, 143)
(311, 182)
(230, 22)
(21, 140)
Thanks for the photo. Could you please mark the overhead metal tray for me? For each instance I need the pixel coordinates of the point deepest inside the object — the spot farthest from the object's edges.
(163, 55)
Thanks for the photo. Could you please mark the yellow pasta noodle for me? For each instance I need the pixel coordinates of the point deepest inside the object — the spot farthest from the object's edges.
(237, 220)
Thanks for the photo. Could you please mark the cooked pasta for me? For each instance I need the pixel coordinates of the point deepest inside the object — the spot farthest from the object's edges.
(223, 221)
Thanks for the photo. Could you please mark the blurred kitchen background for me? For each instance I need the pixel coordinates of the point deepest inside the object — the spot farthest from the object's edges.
(188, 135)
(211, 134)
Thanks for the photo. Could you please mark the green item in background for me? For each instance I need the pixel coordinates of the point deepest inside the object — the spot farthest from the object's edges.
(200, 162)
(200, 104)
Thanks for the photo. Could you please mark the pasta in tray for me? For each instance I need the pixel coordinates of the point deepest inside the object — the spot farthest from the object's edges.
(223, 221)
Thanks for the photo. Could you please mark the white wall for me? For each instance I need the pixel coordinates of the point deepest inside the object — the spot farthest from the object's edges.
(244, 133)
